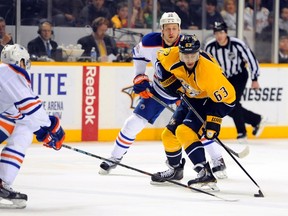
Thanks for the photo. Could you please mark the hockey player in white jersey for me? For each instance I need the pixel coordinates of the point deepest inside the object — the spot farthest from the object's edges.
(148, 110)
(21, 116)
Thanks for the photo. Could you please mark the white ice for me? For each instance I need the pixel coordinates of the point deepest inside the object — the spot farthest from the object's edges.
(67, 182)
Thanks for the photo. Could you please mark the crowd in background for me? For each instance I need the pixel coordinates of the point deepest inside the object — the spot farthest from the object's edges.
(80, 13)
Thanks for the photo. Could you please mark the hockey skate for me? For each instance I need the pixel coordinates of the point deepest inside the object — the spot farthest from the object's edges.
(205, 179)
(173, 173)
(10, 198)
(258, 129)
(219, 168)
(106, 166)
(242, 138)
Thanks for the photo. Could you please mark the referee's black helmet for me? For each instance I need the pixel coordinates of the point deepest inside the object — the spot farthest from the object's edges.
(189, 44)
(220, 26)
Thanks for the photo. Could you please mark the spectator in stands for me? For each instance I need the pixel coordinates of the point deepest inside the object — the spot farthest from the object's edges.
(263, 44)
(270, 4)
(196, 6)
(167, 5)
(267, 32)
(119, 20)
(283, 3)
(189, 19)
(262, 14)
(137, 17)
(65, 12)
(93, 10)
(32, 11)
(148, 13)
(229, 14)
(220, 5)
(5, 38)
(103, 43)
(8, 11)
(110, 5)
(283, 21)
(212, 15)
(283, 49)
(43, 46)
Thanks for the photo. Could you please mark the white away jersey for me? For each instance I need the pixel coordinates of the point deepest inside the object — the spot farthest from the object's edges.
(145, 52)
(17, 100)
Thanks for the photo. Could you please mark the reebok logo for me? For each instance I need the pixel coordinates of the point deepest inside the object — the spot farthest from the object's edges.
(90, 95)
(90, 102)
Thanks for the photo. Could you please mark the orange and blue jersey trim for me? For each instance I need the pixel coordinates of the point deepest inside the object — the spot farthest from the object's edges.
(6, 125)
(123, 141)
(25, 107)
(6, 128)
(29, 105)
(205, 141)
(12, 157)
(20, 71)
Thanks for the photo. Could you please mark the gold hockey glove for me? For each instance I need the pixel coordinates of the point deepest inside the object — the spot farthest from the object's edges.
(212, 127)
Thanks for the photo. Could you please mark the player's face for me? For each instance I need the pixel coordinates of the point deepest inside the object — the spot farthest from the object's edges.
(26, 67)
(221, 37)
(189, 59)
(170, 33)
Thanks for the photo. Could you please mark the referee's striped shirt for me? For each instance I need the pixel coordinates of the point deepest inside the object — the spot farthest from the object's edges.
(232, 55)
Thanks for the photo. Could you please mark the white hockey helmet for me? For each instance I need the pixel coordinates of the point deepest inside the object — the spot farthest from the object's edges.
(13, 54)
(170, 17)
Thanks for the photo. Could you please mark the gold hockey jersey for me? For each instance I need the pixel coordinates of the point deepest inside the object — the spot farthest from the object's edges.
(205, 79)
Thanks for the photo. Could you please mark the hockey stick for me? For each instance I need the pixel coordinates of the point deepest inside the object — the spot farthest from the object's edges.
(240, 154)
(260, 194)
(145, 173)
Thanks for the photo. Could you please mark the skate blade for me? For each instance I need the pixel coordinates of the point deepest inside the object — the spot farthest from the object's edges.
(242, 141)
(211, 186)
(261, 128)
(165, 183)
(221, 174)
(12, 204)
(103, 172)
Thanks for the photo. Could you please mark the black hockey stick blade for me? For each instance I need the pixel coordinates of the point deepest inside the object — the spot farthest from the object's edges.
(260, 194)
(147, 173)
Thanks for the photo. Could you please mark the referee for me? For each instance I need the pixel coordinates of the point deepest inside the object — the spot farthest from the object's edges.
(236, 59)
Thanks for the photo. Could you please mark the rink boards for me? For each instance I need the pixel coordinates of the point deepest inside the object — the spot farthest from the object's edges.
(94, 99)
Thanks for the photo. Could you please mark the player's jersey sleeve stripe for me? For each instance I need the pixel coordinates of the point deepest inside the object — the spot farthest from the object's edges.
(28, 105)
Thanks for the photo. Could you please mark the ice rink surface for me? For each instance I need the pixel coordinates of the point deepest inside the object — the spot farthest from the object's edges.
(66, 182)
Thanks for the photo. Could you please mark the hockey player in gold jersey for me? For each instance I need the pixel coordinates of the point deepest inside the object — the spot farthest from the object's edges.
(199, 76)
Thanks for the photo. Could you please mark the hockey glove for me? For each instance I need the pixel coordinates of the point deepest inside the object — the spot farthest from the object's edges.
(52, 136)
(141, 83)
(212, 127)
